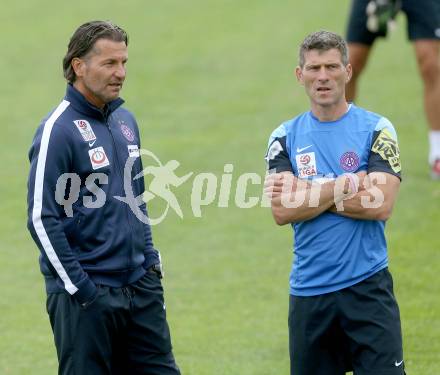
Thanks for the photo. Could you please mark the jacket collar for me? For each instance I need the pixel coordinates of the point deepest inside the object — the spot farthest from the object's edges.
(80, 104)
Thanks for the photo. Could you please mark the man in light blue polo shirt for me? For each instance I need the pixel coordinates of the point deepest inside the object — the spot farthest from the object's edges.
(335, 174)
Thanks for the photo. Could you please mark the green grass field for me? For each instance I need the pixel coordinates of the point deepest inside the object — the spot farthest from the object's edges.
(208, 82)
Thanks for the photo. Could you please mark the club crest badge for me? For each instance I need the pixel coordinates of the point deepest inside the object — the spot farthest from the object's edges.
(349, 161)
(127, 132)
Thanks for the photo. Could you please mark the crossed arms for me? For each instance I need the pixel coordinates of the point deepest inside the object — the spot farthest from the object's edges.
(358, 196)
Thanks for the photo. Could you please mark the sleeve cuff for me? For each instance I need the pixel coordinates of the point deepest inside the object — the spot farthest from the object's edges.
(151, 257)
(375, 169)
(86, 290)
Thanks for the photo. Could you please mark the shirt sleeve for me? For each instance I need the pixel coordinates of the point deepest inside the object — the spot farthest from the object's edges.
(50, 157)
(277, 156)
(384, 153)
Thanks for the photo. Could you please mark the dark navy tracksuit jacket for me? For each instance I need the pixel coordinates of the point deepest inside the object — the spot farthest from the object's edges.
(86, 246)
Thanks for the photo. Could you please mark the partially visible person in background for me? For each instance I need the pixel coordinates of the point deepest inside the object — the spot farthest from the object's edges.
(370, 19)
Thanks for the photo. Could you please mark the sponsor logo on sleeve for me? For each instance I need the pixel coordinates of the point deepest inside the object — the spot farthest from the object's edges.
(274, 150)
(98, 158)
(85, 130)
(386, 146)
(133, 151)
(306, 165)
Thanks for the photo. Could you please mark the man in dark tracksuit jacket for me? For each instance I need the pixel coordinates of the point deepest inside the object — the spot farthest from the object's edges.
(102, 273)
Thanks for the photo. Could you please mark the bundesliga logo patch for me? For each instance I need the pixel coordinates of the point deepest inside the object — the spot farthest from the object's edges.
(98, 158)
(85, 129)
(306, 164)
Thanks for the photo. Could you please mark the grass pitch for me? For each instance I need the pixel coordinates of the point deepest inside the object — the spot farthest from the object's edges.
(208, 82)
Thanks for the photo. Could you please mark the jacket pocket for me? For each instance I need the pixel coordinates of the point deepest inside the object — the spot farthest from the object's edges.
(72, 228)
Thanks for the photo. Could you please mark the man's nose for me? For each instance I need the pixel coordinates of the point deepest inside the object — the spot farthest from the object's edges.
(120, 71)
(322, 74)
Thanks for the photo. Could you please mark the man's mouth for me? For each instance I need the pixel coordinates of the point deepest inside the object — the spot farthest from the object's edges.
(323, 89)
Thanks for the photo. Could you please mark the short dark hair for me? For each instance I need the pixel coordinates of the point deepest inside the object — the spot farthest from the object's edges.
(84, 38)
(323, 40)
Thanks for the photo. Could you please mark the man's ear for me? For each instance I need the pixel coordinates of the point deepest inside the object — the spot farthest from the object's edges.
(349, 70)
(299, 75)
(78, 66)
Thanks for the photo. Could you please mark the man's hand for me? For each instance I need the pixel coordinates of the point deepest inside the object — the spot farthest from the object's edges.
(357, 182)
(294, 200)
(374, 199)
(277, 183)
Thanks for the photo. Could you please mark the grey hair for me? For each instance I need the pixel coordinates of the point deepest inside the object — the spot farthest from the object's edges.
(322, 41)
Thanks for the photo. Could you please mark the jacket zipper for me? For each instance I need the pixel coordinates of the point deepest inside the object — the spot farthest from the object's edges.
(121, 172)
